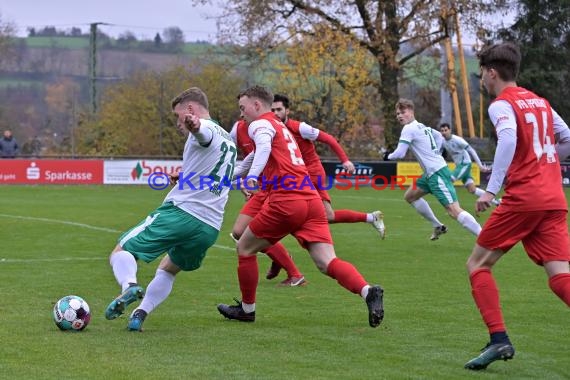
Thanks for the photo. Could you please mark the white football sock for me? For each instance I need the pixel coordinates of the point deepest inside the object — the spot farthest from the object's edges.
(157, 290)
(469, 223)
(124, 268)
(370, 218)
(364, 291)
(248, 307)
(422, 207)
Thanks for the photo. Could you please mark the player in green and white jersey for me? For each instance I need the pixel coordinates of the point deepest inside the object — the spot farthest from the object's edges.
(462, 154)
(425, 144)
(188, 221)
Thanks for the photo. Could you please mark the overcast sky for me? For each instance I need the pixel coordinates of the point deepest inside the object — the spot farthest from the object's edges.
(142, 17)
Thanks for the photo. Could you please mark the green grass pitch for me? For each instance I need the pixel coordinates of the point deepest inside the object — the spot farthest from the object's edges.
(56, 240)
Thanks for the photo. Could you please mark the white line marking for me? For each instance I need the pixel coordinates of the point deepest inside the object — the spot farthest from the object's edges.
(225, 247)
(69, 223)
(74, 224)
(209, 256)
(9, 261)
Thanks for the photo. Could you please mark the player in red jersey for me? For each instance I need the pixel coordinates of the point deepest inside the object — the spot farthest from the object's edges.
(533, 209)
(278, 254)
(293, 206)
(305, 135)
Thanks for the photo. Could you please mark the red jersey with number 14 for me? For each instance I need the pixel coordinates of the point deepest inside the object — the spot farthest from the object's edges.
(534, 181)
(285, 173)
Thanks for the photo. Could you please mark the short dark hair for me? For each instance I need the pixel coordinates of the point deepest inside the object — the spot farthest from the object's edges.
(444, 125)
(404, 104)
(193, 94)
(262, 93)
(281, 98)
(505, 58)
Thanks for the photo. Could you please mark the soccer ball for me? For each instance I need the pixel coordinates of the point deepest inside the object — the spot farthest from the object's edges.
(71, 313)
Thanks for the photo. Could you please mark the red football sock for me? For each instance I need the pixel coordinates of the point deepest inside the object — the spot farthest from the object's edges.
(346, 275)
(279, 254)
(486, 296)
(248, 276)
(349, 216)
(560, 285)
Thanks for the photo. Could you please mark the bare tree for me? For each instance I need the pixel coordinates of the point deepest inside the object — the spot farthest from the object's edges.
(173, 38)
(392, 31)
(6, 37)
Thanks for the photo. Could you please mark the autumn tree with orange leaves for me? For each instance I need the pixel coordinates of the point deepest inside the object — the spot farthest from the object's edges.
(328, 86)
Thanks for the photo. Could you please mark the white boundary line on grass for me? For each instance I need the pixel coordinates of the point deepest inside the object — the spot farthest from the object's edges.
(9, 261)
(67, 222)
(74, 224)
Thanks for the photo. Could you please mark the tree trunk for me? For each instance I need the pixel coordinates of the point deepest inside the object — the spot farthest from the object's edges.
(388, 90)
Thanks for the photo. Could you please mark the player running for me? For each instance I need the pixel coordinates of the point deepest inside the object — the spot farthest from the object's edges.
(426, 144)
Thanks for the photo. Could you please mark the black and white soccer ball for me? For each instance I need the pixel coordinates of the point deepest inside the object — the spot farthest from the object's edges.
(71, 313)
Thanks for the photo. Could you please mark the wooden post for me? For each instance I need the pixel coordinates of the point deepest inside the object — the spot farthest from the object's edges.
(453, 87)
(464, 79)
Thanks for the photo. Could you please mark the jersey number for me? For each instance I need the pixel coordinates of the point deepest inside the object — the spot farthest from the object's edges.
(215, 173)
(293, 148)
(544, 145)
(427, 131)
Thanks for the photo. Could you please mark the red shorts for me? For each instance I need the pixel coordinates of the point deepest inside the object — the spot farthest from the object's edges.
(544, 234)
(304, 219)
(319, 185)
(254, 204)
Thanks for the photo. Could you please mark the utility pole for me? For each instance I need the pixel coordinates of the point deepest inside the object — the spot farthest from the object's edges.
(161, 111)
(73, 122)
(93, 65)
(449, 60)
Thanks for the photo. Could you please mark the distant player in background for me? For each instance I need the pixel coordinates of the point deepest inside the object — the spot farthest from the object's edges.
(426, 145)
(290, 208)
(533, 209)
(277, 252)
(462, 153)
(189, 220)
(305, 136)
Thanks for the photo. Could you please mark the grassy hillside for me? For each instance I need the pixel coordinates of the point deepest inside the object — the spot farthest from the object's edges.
(61, 42)
(190, 48)
(47, 58)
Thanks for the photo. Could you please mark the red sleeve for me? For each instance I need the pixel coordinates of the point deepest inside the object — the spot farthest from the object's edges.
(335, 146)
